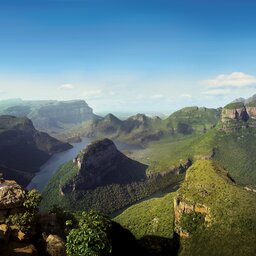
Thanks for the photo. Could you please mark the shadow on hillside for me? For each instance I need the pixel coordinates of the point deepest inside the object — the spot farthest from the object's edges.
(125, 244)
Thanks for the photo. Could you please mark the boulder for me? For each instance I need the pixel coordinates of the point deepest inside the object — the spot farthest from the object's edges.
(12, 195)
(55, 246)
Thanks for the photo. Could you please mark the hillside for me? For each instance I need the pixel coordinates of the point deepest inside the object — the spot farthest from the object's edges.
(141, 129)
(51, 116)
(23, 149)
(213, 215)
(218, 215)
(193, 119)
(103, 178)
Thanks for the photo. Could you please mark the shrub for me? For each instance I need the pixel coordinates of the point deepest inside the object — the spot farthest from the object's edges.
(91, 237)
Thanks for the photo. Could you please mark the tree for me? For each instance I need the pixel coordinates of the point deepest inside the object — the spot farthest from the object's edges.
(91, 237)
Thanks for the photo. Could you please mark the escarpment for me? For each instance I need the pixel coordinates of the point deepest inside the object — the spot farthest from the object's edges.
(239, 115)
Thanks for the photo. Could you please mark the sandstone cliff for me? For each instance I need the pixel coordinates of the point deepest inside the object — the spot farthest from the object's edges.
(238, 115)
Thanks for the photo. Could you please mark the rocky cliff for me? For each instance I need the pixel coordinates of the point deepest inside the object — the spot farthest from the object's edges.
(212, 212)
(23, 149)
(102, 164)
(239, 115)
(52, 116)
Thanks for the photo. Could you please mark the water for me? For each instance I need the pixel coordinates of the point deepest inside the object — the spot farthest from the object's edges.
(50, 167)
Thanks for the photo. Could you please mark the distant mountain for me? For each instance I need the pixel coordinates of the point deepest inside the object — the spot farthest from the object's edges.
(193, 119)
(142, 129)
(50, 116)
(23, 149)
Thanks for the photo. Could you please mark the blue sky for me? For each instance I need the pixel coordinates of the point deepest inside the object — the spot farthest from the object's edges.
(154, 55)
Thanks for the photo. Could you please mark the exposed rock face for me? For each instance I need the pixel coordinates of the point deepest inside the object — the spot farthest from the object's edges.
(52, 115)
(182, 207)
(12, 195)
(19, 143)
(251, 112)
(55, 246)
(238, 115)
(100, 164)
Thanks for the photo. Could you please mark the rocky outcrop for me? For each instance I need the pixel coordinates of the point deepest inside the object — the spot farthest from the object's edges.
(12, 195)
(55, 245)
(238, 115)
(181, 208)
(19, 143)
(101, 164)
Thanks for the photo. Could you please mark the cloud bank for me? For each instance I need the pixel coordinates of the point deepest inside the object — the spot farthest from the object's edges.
(233, 80)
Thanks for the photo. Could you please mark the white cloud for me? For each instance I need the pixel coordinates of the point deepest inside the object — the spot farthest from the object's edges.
(235, 79)
(67, 86)
(185, 95)
(216, 92)
(157, 96)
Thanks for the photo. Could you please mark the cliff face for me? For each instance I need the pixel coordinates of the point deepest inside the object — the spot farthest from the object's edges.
(52, 115)
(238, 115)
(102, 164)
(23, 149)
(183, 208)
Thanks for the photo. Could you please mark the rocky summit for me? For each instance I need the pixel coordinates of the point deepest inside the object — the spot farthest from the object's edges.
(102, 164)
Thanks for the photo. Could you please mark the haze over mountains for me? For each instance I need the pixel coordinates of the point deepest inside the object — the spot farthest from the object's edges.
(49, 115)
(197, 164)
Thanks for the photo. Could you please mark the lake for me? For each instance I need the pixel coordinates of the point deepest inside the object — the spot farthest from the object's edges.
(50, 167)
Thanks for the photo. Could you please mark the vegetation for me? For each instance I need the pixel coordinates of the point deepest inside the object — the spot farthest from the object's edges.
(192, 222)
(90, 237)
(232, 212)
(234, 105)
(26, 218)
(150, 217)
(108, 198)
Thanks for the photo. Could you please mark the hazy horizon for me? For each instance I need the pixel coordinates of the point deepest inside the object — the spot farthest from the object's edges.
(134, 56)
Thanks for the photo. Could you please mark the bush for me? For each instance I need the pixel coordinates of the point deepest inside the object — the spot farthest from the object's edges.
(191, 222)
(91, 237)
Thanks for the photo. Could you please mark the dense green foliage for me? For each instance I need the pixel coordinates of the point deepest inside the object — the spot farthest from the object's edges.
(234, 105)
(26, 218)
(232, 212)
(192, 222)
(150, 217)
(90, 237)
(234, 151)
(192, 119)
(106, 199)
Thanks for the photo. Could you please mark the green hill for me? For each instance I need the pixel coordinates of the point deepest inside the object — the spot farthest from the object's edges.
(141, 129)
(218, 215)
(193, 119)
(227, 211)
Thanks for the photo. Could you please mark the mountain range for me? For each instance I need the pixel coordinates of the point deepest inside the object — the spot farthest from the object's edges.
(193, 178)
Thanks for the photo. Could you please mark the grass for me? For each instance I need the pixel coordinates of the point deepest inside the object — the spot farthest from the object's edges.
(232, 211)
(150, 217)
(233, 151)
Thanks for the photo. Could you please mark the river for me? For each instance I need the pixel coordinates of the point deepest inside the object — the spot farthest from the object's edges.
(50, 167)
